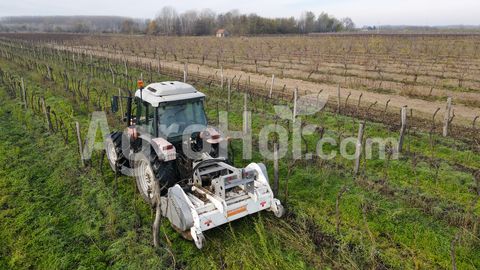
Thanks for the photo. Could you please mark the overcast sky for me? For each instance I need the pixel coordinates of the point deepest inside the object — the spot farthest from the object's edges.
(363, 12)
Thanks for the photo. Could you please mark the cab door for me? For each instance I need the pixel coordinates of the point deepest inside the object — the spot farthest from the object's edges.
(146, 117)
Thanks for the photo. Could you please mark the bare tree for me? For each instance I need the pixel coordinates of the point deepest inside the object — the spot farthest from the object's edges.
(166, 20)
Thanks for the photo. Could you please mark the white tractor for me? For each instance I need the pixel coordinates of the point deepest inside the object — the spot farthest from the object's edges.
(167, 143)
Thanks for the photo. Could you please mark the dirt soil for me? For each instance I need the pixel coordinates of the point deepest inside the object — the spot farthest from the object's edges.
(463, 115)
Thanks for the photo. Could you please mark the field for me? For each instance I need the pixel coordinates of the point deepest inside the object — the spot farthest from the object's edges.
(420, 211)
(420, 71)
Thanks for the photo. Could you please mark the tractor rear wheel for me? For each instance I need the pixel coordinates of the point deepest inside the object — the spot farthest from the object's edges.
(148, 170)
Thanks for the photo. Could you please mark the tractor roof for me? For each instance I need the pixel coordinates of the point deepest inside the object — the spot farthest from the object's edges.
(156, 93)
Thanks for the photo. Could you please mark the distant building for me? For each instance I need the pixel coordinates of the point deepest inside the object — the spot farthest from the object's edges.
(222, 33)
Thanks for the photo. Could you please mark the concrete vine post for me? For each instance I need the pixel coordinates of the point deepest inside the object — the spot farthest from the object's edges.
(275, 170)
(113, 75)
(185, 72)
(271, 86)
(245, 113)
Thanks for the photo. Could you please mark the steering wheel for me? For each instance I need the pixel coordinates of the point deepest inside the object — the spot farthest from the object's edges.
(195, 135)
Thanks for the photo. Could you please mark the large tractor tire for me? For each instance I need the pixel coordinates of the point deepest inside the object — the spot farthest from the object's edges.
(113, 149)
(150, 169)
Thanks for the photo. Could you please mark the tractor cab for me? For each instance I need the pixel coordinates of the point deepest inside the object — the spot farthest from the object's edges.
(168, 120)
(168, 109)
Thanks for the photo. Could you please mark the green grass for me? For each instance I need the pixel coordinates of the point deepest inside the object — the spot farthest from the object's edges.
(55, 214)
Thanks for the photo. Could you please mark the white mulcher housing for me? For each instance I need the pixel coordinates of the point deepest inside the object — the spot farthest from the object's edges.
(200, 193)
(234, 194)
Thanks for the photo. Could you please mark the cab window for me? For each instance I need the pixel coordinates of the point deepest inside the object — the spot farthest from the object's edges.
(145, 114)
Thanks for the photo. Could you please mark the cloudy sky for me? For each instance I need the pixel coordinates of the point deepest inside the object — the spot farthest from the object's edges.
(363, 12)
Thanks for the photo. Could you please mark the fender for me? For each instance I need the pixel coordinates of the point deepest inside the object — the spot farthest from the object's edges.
(164, 149)
(211, 135)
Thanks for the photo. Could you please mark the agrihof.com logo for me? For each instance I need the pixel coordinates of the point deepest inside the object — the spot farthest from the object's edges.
(288, 140)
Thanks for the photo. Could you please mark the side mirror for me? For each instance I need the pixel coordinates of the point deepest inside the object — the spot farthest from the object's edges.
(114, 105)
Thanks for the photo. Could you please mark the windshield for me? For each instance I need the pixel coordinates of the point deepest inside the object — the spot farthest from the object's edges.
(175, 118)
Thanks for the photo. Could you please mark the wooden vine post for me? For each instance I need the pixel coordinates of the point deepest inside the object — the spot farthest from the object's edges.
(402, 129)
(47, 116)
(24, 94)
(49, 73)
(385, 110)
(295, 97)
(338, 99)
(158, 214)
(221, 77)
(120, 99)
(337, 208)
(359, 146)
(185, 72)
(44, 107)
(453, 243)
(79, 140)
(474, 122)
(358, 104)
(446, 119)
(229, 94)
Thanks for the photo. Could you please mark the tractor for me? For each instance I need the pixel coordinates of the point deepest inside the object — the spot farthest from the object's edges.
(169, 148)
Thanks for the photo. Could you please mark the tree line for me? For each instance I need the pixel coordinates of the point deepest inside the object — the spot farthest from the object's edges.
(190, 23)
(73, 24)
(206, 22)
